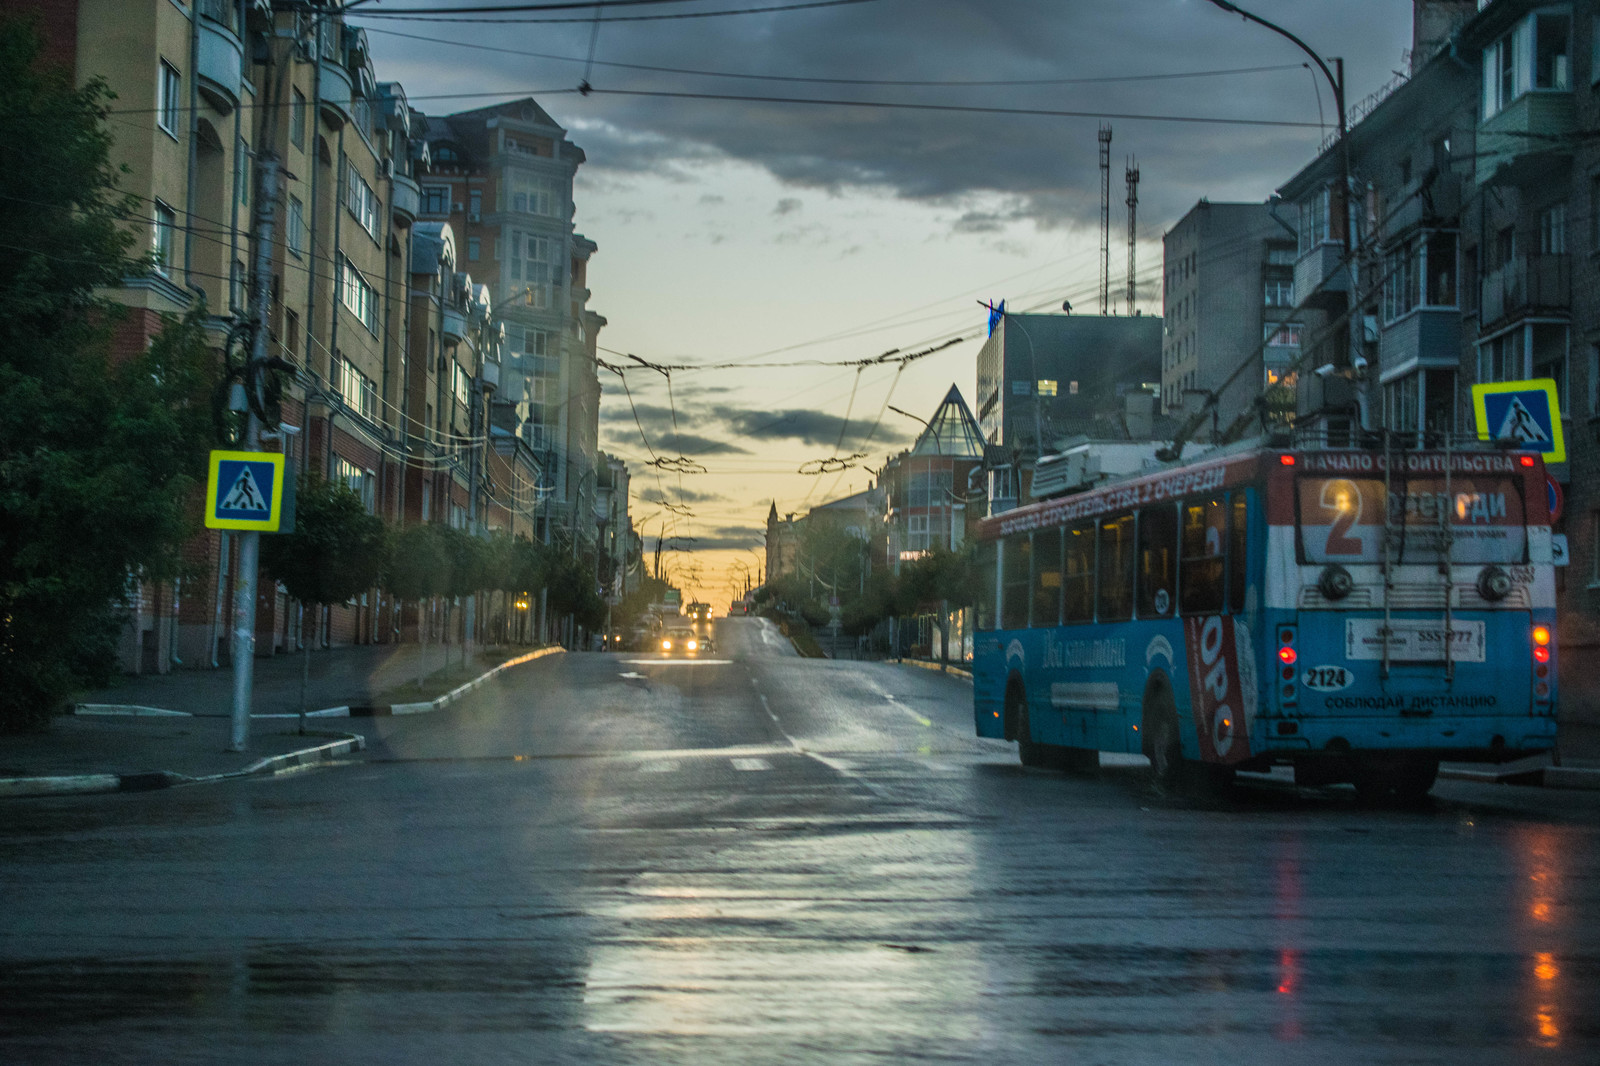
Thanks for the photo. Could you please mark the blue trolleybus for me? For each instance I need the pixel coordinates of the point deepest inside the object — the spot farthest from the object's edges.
(1358, 615)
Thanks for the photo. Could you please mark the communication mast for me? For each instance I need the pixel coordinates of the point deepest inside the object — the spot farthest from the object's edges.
(1105, 218)
(1133, 225)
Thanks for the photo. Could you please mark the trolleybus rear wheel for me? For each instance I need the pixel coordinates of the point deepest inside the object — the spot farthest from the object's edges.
(1030, 751)
(1163, 746)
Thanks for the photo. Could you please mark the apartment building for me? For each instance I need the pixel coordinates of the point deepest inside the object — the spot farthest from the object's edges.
(502, 177)
(1231, 339)
(1476, 185)
(396, 350)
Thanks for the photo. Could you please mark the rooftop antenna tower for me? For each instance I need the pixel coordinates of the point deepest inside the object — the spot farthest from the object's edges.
(1133, 224)
(1105, 218)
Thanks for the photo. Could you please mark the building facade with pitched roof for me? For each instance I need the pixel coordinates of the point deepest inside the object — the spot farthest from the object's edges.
(927, 488)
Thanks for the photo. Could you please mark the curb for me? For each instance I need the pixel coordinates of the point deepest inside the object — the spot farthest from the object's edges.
(953, 671)
(383, 710)
(387, 710)
(151, 781)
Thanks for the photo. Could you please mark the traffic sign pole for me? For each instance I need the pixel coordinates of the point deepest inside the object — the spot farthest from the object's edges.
(244, 601)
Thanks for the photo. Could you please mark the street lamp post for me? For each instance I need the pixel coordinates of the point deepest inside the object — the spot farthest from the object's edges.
(1345, 199)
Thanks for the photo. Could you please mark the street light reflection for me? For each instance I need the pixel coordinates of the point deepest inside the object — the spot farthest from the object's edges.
(1542, 855)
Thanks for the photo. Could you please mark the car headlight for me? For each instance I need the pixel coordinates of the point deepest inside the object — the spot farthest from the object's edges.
(693, 644)
(666, 645)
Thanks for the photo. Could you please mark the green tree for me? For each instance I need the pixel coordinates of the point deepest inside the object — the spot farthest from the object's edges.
(417, 571)
(337, 550)
(99, 457)
(468, 574)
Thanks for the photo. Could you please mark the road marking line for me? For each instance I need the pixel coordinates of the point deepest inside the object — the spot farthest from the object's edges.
(751, 764)
(666, 767)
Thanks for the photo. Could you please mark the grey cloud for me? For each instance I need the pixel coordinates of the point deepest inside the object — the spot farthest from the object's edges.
(816, 428)
(787, 206)
(682, 496)
(1044, 169)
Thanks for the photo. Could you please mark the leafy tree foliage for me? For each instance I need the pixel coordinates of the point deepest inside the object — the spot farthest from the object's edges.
(337, 549)
(99, 458)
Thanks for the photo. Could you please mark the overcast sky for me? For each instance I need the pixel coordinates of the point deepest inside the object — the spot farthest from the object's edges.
(763, 232)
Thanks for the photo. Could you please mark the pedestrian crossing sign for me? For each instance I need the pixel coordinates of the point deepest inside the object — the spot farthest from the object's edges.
(245, 491)
(1527, 413)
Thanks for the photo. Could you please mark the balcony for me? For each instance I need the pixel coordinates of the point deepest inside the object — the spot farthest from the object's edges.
(1321, 266)
(454, 326)
(1532, 133)
(219, 55)
(1527, 286)
(1425, 337)
(336, 90)
(406, 200)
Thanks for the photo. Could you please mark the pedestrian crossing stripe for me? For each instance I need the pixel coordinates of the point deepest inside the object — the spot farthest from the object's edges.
(1526, 413)
(244, 491)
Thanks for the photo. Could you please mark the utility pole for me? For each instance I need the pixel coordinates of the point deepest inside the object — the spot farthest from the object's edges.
(1132, 175)
(1105, 219)
(244, 601)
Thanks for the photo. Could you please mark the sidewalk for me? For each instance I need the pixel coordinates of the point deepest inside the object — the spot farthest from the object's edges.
(160, 730)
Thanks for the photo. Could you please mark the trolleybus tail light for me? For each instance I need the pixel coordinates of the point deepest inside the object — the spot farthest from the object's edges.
(1286, 460)
(1527, 460)
(1541, 635)
(1287, 656)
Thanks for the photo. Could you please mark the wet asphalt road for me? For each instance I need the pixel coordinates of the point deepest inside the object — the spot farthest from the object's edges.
(766, 859)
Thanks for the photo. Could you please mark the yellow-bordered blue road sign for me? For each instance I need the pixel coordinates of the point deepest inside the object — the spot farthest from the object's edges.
(245, 491)
(1528, 412)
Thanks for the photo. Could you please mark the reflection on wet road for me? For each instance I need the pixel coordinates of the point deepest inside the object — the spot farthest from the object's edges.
(772, 859)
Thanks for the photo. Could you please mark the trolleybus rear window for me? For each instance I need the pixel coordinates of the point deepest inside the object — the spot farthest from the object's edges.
(1342, 519)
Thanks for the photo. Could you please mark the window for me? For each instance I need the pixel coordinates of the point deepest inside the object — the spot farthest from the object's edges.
(296, 226)
(1505, 248)
(1314, 229)
(1535, 55)
(1158, 561)
(1280, 292)
(1046, 579)
(929, 488)
(1238, 558)
(1022, 388)
(987, 554)
(1077, 574)
(917, 532)
(168, 91)
(1553, 230)
(358, 390)
(297, 120)
(1501, 359)
(436, 199)
(530, 265)
(1283, 335)
(166, 223)
(461, 385)
(474, 247)
(533, 195)
(361, 200)
(1280, 255)
(362, 482)
(475, 205)
(1117, 560)
(1403, 397)
(1420, 273)
(291, 333)
(1047, 387)
(1016, 558)
(358, 296)
(1205, 527)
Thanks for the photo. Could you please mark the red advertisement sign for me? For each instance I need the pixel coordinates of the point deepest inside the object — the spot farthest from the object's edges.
(1215, 692)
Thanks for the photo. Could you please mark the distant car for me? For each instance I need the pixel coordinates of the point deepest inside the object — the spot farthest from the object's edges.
(683, 641)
